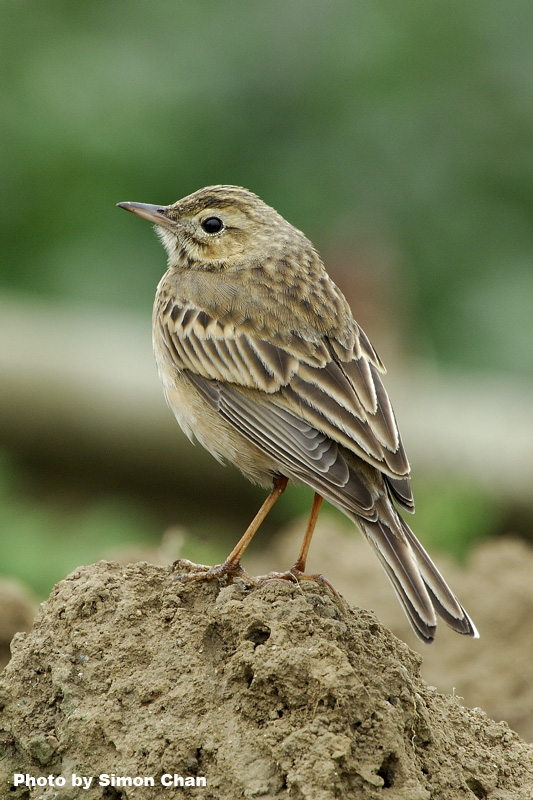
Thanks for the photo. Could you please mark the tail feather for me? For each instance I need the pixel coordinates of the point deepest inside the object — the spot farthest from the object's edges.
(419, 585)
(400, 565)
(446, 604)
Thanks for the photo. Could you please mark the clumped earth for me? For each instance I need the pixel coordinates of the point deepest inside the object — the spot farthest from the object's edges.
(17, 610)
(494, 672)
(270, 692)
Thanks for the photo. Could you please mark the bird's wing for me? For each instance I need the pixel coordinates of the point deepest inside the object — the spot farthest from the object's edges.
(333, 391)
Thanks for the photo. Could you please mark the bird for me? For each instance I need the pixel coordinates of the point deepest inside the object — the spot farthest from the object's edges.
(263, 363)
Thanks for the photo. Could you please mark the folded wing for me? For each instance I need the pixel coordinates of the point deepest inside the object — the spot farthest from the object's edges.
(333, 389)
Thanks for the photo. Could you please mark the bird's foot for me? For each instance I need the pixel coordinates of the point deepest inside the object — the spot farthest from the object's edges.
(231, 570)
(295, 575)
(201, 572)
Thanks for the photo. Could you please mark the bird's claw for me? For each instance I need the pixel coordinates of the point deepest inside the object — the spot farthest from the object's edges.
(201, 572)
(295, 575)
(230, 570)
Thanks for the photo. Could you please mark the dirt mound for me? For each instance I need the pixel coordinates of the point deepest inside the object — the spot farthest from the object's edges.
(17, 610)
(269, 692)
(494, 672)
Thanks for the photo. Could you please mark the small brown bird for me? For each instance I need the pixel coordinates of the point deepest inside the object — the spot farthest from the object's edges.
(262, 361)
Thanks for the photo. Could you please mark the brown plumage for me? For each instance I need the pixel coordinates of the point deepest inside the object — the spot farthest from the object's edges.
(262, 361)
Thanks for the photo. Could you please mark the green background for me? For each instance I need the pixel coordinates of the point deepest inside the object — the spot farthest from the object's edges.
(398, 136)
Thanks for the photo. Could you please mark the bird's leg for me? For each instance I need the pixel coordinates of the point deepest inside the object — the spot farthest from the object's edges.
(297, 571)
(234, 558)
(231, 566)
(301, 561)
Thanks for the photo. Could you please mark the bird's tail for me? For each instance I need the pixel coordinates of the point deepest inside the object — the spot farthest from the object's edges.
(422, 590)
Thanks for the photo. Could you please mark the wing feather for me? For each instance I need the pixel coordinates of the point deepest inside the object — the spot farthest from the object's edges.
(358, 372)
(278, 362)
(334, 386)
(331, 381)
(304, 452)
(350, 430)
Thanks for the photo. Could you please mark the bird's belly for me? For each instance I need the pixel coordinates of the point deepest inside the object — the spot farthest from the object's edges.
(199, 420)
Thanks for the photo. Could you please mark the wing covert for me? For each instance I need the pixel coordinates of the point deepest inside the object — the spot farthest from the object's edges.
(333, 388)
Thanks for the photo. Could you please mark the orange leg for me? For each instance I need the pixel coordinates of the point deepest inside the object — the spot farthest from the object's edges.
(231, 566)
(298, 570)
(301, 561)
(233, 560)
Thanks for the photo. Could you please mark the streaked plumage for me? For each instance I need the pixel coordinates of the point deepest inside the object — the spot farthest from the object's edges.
(262, 362)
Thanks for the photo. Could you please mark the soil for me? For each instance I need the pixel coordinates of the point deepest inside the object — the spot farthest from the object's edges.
(270, 692)
(494, 672)
(17, 610)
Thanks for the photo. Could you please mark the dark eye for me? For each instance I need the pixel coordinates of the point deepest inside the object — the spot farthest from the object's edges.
(212, 225)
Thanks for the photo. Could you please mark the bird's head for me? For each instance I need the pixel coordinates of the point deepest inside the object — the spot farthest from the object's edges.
(216, 227)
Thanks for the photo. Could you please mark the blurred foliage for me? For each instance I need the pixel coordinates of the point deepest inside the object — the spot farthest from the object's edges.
(41, 542)
(455, 517)
(398, 136)
(450, 516)
(400, 127)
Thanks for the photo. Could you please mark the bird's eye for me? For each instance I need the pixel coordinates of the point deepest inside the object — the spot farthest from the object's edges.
(212, 225)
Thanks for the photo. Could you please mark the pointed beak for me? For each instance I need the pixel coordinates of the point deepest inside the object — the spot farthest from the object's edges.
(155, 214)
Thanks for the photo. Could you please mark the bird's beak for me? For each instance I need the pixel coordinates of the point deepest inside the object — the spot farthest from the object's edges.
(154, 214)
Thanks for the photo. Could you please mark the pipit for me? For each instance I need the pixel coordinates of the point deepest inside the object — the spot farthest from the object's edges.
(262, 361)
